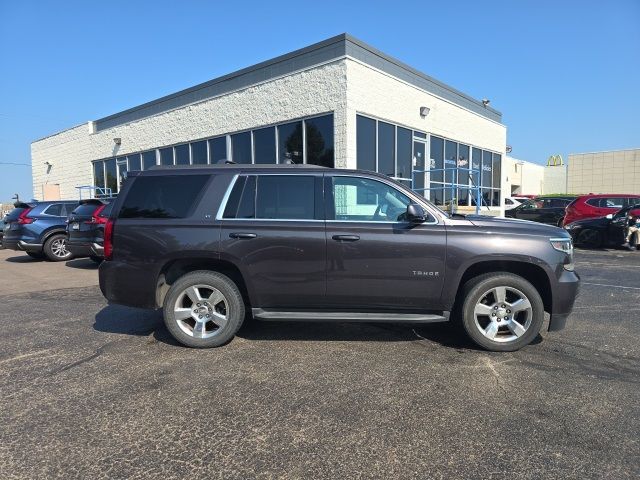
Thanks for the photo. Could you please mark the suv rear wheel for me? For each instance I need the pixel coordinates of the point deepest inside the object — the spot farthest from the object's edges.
(501, 312)
(203, 309)
(55, 248)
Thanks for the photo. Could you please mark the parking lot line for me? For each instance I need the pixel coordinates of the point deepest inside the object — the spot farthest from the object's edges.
(611, 286)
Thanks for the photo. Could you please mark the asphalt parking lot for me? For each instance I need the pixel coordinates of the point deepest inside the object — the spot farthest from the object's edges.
(89, 390)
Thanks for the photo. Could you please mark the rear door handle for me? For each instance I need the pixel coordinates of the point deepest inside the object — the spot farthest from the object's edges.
(242, 235)
(346, 238)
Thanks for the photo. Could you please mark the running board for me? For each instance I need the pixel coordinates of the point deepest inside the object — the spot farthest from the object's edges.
(273, 315)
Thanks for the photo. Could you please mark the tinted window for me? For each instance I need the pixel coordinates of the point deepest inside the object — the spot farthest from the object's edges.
(86, 209)
(285, 197)
(149, 159)
(290, 142)
(405, 143)
(365, 143)
(112, 175)
(98, 174)
(319, 136)
(218, 149)
(241, 147)
(182, 154)
(55, 209)
(450, 161)
(234, 198)
(199, 153)
(106, 210)
(497, 169)
(166, 156)
(134, 162)
(170, 196)
(247, 206)
(386, 149)
(436, 161)
(264, 145)
(487, 168)
(390, 205)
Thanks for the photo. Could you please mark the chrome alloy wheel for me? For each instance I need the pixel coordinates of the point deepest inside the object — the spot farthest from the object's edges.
(201, 311)
(59, 248)
(503, 314)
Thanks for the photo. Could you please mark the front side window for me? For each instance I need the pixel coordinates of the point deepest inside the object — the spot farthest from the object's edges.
(388, 204)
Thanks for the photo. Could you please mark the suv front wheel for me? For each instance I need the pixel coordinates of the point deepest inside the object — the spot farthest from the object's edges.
(203, 309)
(501, 312)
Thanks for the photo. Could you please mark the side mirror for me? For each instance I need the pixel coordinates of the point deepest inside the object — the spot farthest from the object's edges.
(415, 213)
(609, 217)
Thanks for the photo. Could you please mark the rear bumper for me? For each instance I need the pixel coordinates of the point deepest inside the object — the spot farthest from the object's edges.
(564, 294)
(125, 284)
(86, 249)
(21, 246)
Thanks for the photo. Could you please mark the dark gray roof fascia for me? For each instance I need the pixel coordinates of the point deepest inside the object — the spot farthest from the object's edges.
(330, 49)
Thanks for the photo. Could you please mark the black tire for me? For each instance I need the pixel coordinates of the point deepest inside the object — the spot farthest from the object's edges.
(590, 238)
(232, 305)
(475, 292)
(36, 255)
(95, 259)
(52, 248)
(559, 224)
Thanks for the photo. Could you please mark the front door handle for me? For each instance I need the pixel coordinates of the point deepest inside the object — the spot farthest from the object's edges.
(242, 235)
(346, 238)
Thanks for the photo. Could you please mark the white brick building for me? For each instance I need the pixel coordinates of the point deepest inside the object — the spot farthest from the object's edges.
(338, 103)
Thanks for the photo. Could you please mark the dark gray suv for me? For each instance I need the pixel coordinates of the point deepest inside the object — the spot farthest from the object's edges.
(212, 244)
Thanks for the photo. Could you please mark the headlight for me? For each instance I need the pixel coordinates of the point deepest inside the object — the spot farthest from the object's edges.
(564, 245)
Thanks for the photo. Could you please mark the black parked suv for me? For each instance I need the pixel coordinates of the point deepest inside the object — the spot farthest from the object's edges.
(85, 229)
(549, 210)
(298, 242)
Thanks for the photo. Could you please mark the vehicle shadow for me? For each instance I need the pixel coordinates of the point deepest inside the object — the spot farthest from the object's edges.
(133, 321)
(23, 259)
(82, 264)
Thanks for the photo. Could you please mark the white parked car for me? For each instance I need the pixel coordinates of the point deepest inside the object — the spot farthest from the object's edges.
(513, 202)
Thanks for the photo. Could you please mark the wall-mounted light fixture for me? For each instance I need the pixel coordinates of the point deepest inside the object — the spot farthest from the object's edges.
(48, 166)
(486, 102)
(424, 111)
(117, 140)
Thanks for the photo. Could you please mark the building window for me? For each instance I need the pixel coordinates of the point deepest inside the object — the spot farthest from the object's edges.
(436, 162)
(134, 162)
(319, 141)
(290, 142)
(365, 143)
(386, 149)
(111, 174)
(264, 145)
(182, 154)
(218, 149)
(98, 174)
(199, 153)
(149, 159)
(166, 156)
(241, 147)
(404, 155)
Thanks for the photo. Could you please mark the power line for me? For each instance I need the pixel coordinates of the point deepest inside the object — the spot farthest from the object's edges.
(14, 163)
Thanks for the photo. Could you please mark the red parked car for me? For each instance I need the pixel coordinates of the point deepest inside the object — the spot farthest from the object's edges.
(600, 205)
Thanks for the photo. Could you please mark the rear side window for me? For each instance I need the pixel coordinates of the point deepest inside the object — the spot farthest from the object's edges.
(275, 197)
(170, 196)
(55, 210)
(85, 209)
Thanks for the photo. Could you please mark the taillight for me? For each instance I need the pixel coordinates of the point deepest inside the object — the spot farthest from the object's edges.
(96, 218)
(23, 219)
(108, 239)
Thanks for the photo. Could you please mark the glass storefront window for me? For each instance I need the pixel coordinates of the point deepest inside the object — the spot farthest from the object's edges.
(487, 169)
(386, 149)
(134, 162)
(98, 174)
(404, 154)
(199, 153)
(290, 142)
(182, 154)
(218, 149)
(319, 141)
(264, 145)
(166, 156)
(148, 159)
(111, 175)
(365, 143)
(241, 147)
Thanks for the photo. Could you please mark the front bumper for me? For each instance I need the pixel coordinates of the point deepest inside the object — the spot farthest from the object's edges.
(564, 294)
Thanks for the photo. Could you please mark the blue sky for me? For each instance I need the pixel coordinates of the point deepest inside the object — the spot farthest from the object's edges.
(565, 74)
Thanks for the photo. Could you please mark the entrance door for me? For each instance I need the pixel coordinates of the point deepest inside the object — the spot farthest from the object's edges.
(419, 162)
(375, 258)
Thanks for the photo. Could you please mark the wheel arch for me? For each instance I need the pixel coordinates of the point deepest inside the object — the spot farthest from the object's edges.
(176, 268)
(47, 234)
(533, 273)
